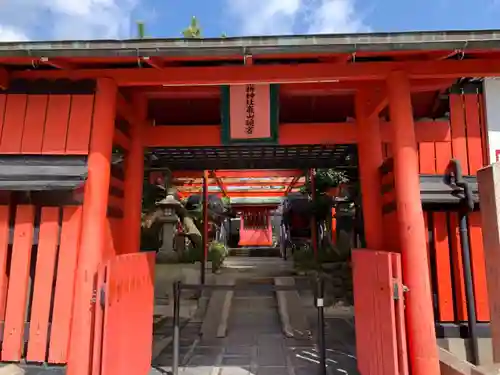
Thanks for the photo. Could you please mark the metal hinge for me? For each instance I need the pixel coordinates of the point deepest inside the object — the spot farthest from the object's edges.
(395, 289)
(102, 296)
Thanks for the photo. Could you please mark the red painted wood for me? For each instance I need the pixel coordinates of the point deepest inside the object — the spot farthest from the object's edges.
(443, 268)
(478, 267)
(458, 131)
(385, 313)
(427, 157)
(399, 309)
(254, 233)
(56, 124)
(44, 280)
(474, 141)
(80, 124)
(129, 283)
(457, 263)
(378, 326)
(4, 246)
(13, 124)
(98, 325)
(65, 284)
(34, 124)
(12, 346)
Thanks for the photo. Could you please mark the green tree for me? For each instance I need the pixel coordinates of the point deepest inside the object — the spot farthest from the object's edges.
(193, 31)
(141, 30)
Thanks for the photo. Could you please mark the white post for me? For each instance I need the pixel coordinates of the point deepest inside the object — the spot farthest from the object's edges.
(489, 197)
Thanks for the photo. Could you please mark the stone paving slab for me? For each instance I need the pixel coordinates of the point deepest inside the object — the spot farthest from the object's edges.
(255, 344)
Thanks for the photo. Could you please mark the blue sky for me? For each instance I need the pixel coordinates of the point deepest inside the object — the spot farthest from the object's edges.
(97, 19)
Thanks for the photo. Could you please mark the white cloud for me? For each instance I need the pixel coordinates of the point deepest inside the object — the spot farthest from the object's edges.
(296, 16)
(268, 17)
(65, 19)
(334, 16)
(8, 34)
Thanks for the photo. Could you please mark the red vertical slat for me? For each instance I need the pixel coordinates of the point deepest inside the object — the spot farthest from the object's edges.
(443, 268)
(3, 106)
(458, 132)
(385, 313)
(34, 124)
(427, 157)
(129, 297)
(478, 267)
(80, 124)
(443, 156)
(474, 142)
(110, 363)
(361, 276)
(427, 241)
(18, 285)
(484, 130)
(457, 263)
(65, 284)
(4, 246)
(98, 324)
(400, 316)
(56, 124)
(13, 124)
(44, 279)
(147, 294)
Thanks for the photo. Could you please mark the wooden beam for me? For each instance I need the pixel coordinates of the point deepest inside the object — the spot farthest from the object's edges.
(317, 133)
(245, 184)
(153, 62)
(223, 75)
(4, 79)
(253, 173)
(332, 88)
(257, 193)
(57, 63)
(296, 89)
(220, 184)
(377, 101)
(182, 136)
(126, 110)
(289, 134)
(292, 185)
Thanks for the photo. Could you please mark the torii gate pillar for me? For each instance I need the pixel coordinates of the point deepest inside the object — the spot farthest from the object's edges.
(422, 346)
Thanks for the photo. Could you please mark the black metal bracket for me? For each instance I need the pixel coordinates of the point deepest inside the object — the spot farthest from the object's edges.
(445, 190)
(456, 178)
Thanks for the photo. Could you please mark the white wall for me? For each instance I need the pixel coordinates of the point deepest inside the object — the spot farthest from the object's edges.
(492, 113)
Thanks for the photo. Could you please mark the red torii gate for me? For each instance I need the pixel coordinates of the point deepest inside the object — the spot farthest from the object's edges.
(91, 127)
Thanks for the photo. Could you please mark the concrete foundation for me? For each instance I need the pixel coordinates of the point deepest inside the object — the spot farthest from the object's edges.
(461, 349)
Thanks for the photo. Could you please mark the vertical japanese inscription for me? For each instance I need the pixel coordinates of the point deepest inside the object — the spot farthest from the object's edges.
(250, 113)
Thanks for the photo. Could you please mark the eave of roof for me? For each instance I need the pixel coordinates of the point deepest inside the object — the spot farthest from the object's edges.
(265, 45)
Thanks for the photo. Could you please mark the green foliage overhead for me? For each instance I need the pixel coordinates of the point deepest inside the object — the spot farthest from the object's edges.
(325, 179)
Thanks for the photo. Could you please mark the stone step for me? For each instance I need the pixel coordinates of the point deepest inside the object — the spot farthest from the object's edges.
(219, 306)
(255, 252)
(292, 312)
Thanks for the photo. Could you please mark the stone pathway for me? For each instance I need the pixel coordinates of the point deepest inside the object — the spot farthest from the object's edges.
(255, 344)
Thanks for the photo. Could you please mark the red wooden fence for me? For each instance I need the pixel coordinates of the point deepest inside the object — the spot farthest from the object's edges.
(124, 315)
(38, 259)
(379, 311)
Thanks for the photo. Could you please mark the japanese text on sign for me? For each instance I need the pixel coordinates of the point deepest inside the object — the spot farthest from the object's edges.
(250, 113)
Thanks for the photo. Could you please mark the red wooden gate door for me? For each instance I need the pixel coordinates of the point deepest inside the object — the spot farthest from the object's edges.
(379, 313)
(124, 315)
